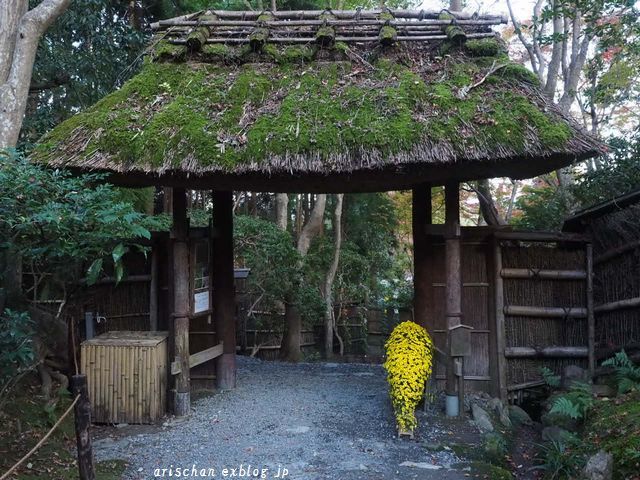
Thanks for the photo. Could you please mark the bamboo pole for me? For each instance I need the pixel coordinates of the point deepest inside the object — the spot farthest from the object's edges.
(545, 312)
(527, 273)
(590, 314)
(153, 291)
(340, 14)
(421, 213)
(179, 234)
(223, 288)
(338, 38)
(333, 22)
(500, 322)
(546, 352)
(616, 252)
(618, 305)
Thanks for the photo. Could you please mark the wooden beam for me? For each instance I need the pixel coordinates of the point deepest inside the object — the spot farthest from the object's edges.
(199, 358)
(547, 237)
(618, 305)
(421, 216)
(179, 235)
(546, 352)
(223, 288)
(526, 273)
(545, 312)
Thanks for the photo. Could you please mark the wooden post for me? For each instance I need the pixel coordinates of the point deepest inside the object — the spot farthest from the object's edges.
(421, 216)
(82, 411)
(590, 313)
(153, 289)
(180, 235)
(453, 286)
(223, 288)
(501, 381)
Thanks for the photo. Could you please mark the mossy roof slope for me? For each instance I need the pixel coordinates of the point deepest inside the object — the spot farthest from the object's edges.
(306, 118)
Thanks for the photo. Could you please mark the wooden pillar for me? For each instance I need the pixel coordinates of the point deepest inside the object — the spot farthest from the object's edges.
(421, 217)
(180, 236)
(453, 288)
(153, 288)
(82, 412)
(223, 288)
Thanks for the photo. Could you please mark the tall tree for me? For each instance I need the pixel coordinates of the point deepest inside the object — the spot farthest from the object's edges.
(290, 348)
(329, 318)
(20, 32)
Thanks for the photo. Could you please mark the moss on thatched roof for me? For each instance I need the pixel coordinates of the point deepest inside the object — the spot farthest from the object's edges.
(302, 115)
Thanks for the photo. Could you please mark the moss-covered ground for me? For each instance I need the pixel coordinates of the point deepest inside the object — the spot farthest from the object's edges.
(614, 425)
(25, 420)
(246, 107)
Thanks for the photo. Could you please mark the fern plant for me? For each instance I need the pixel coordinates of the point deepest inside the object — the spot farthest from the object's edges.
(626, 373)
(550, 377)
(574, 404)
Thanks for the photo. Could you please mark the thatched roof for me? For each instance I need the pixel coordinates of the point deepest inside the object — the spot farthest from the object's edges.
(355, 101)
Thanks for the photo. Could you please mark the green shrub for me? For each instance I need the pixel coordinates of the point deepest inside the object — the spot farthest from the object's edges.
(574, 404)
(560, 460)
(16, 348)
(626, 373)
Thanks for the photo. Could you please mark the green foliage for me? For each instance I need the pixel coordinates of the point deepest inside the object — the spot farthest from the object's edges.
(550, 377)
(545, 205)
(574, 404)
(627, 374)
(56, 221)
(614, 425)
(16, 347)
(560, 460)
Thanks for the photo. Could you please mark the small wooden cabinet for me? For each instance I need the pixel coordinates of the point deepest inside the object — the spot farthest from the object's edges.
(126, 376)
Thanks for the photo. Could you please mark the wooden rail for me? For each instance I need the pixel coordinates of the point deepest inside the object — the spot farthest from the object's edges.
(198, 358)
(545, 312)
(618, 305)
(534, 273)
(546, 352)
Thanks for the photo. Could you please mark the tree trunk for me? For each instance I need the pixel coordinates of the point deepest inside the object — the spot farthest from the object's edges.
(487, 204)
(20, 32)
(282, 210)
(290, 347)
(329, 317)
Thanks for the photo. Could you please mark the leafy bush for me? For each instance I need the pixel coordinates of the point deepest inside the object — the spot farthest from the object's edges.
(560, 460)
(574, 404)
(550, 377)
(409, 365)
(626, 373)
(16, 348)
(56, 221)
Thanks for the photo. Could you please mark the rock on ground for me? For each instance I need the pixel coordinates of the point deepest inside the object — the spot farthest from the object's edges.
(482, 418)
(316, 420)
(599, 467)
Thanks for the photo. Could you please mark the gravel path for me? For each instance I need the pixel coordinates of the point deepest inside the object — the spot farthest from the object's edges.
(317, 420)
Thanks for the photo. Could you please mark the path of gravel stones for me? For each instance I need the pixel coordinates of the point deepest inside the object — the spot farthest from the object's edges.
(317, 420)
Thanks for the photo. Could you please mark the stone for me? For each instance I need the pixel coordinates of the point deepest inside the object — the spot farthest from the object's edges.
(555, 434)
(603, 391)
(422, 465)
(482, 418)
(298, 429)
(496, 405)
(562, 421)
(599, 467)
(572, 374)
(518, 416)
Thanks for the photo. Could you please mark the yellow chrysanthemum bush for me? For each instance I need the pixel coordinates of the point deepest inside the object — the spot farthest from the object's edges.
(409, 363)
